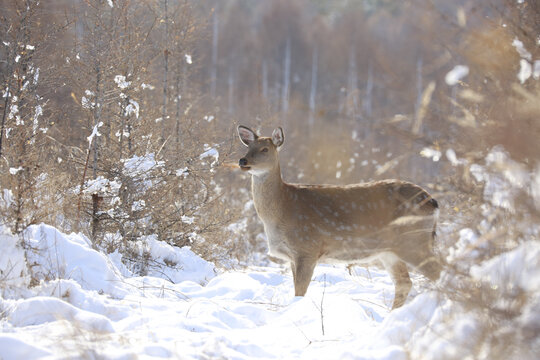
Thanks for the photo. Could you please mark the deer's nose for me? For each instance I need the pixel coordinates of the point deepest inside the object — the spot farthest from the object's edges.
(242, 162)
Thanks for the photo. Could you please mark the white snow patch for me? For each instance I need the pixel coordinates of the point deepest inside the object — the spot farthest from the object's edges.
(520, 48)
(54, 255)
(536, 70)
(455, 75)
(210, 152)
(137, 166)
(452, 157)
(187, 219)
(13, 110)
(13, 269)
(101, 185)
(518, 268)
(147, 86)
(503, 178)
(121, 82)
(132, 108)
(138, 205)
(39, 310)
(525, 71)
(182, 172)
(90, 303)
(95, 132)
(430, 153)
(173, 263)
(14, 171)
(36, 76)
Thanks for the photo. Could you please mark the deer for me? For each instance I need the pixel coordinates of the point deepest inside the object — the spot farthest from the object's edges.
(391, 221)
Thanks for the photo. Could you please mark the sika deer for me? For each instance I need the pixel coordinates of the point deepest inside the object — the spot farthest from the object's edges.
(391, 220)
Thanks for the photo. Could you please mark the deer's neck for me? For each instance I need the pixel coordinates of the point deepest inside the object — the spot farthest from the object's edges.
(267, 191)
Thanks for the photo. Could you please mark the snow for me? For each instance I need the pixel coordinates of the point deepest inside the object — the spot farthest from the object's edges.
(14, 171)
(520, 48)
(13, 272)
(101, 185)
(120, 80)
(524, 262)
(14, 109)
(86, 101)
(137, 166)
(187, 219)
(430, 153)
(527, 67)
(525, 71)
(95, 132)
(36, 76)
(455, 75)
(182, 172)
(210, 152)
(132, 108)
(138, 205)
(536, 70)
(452, 157)
(147, 86)
(503, 178)
(56, 255)
(87, 304)
(37, 114)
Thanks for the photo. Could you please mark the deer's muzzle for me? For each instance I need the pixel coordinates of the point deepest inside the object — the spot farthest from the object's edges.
(243, 163)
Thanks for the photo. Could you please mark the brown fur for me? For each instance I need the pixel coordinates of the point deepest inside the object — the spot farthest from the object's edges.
(390, 220)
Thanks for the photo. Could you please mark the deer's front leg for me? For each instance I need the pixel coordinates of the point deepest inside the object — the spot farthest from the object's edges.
(302, 269)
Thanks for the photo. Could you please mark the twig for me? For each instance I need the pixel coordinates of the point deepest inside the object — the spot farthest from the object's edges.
(321, 308)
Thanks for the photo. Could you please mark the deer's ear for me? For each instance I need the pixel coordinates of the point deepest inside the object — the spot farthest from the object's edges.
(247, 136)
(278, 137)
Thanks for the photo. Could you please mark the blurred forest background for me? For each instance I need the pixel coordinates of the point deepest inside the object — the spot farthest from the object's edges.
(118, 117)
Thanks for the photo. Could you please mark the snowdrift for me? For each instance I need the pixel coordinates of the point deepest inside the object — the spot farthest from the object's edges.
(63, 299)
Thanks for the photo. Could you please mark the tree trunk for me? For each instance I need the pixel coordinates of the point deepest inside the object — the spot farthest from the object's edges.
(313, 90)
(165, 72)
(213, 69)
(419, 88)
(265, 80)
(352, 96)
(286, 79)
(231, 89)
(368, 100)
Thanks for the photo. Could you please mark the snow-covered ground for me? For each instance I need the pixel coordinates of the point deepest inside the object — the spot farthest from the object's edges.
(89, 305)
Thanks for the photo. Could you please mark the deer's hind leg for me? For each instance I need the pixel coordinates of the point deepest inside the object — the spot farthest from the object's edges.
(421, 256)
(400, 276)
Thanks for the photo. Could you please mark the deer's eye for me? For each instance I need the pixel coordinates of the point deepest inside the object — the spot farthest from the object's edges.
(264, 150)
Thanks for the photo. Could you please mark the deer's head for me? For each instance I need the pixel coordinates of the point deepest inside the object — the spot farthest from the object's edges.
(262, 155)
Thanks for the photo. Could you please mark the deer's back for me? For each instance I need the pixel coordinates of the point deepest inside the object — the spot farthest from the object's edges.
(340, 222)
(357, 206)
